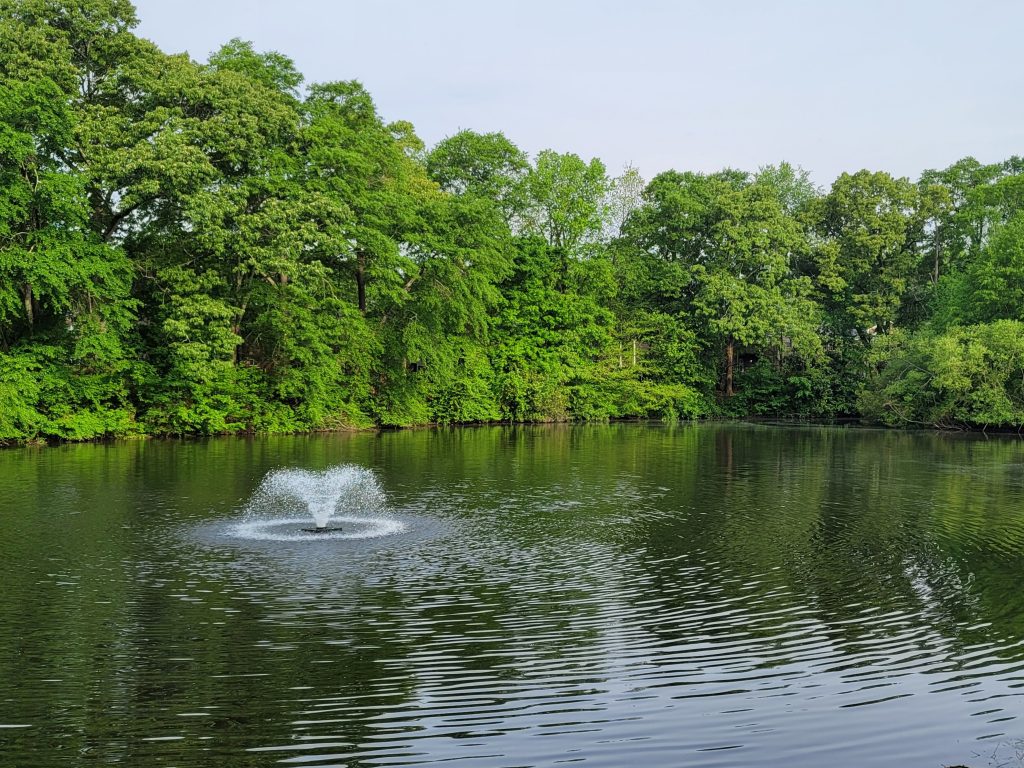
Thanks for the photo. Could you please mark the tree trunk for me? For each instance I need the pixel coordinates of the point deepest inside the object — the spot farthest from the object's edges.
(26, 300)
(236, 329)
(730, 359)
(361, 283)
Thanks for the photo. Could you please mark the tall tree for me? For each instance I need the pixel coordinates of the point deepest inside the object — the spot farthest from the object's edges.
(728, 245)
(623, 197)
(360, 161)
(565, 201)
(867, 251)
(487, 165)
(65, 311)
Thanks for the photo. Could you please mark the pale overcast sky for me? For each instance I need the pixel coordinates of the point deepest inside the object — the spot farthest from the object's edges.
(832, 86)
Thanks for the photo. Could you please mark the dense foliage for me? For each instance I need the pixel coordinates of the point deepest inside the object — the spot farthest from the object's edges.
(199, 248)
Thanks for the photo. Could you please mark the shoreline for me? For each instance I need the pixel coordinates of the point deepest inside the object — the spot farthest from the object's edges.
(847, 422)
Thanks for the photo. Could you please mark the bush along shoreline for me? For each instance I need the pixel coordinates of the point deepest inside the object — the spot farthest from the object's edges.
(216, 247)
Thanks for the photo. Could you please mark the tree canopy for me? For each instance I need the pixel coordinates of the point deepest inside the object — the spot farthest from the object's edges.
(206, 247)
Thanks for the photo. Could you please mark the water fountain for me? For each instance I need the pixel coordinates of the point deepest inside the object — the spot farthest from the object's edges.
(345, 501)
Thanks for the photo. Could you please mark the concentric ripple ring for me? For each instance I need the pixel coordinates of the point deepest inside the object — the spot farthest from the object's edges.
(291, 529)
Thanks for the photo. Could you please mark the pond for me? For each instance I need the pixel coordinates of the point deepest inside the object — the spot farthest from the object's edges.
(691, 595)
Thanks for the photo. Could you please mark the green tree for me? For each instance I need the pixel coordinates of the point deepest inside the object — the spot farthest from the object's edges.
(971, 376)
(867, 253)
(565, 202)
(992, 285)
(65, 310)
(727, 246)
(361, 162)
(486, 165)
(792, 185)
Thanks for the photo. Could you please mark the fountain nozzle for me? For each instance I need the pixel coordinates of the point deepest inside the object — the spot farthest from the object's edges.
(322, 529)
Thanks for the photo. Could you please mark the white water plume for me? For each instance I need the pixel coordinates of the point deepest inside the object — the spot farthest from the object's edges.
(340, 502)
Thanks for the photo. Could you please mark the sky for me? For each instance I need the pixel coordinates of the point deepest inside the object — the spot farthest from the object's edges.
(830, 85)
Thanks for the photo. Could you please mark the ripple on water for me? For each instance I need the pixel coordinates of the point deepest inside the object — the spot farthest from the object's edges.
(296, 528)
(724, 613)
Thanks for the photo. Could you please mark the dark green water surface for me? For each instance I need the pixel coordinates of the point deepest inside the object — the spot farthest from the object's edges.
(625, 595)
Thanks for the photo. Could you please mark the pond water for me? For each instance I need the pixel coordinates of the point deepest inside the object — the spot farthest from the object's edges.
(692, 595)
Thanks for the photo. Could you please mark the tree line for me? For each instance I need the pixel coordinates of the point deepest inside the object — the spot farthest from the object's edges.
(206, 248)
